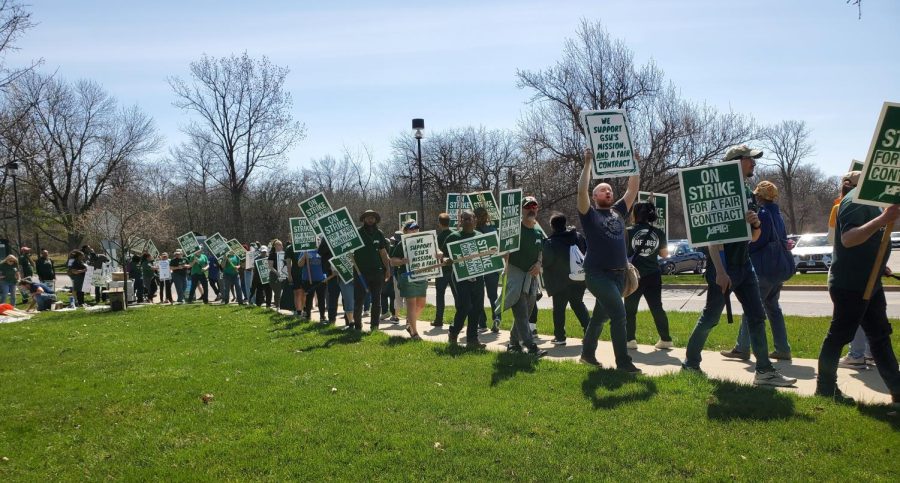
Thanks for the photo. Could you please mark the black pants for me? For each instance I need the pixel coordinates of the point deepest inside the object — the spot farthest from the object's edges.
(469, 303)
(650, 287)
(319, 292)
(440, 286)
(165, 290)
(572, 295)
(850, 312)
(388, 298)
(77, 283)
(261, 291)
(138, 288)
(214, 285)
(332, 294)
(374, 283)
(491, 284)
(198, 280)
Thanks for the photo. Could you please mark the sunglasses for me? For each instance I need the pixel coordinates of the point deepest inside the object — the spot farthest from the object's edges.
(531, 205)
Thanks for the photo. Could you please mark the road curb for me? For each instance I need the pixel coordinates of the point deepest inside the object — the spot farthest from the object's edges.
(798, 288)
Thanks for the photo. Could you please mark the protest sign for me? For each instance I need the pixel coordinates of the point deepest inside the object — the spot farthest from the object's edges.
(151, 249)
(165, 271)
(879, 183)
(421, 250)
(715, 203)
(491, 262)
(314, 208)
(217, 245)
(456, 203)
(406, 216)
(87, 285)
(343, 266)
(485, 199)
(856, 165)
(262, 268)
(249, 258)
(339, 231)
(235, 248)
(97, 277)
(303, 236)
(188, 243)
(280, 267)
(510, 231)
(661, 202)
(610, 140)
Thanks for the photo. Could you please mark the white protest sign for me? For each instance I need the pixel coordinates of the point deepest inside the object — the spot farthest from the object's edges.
(421, 250)
(608, 134)
(165, 271)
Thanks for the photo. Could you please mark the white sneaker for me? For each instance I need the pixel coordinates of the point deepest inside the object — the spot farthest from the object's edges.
(772, 378)
(664, 344)
(852, 362)
(632, 344)
(385, 316)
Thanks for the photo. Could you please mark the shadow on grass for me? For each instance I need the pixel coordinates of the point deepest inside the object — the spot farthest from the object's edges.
(731, 402)
(396, 340)
(508, 364)
(607, 388)
(881, 413)
(338, 337)
(455, 350)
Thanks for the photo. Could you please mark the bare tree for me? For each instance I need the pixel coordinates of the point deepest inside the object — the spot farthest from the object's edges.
(74, 141)
(244, 116)
(787, 144)
(15, 20)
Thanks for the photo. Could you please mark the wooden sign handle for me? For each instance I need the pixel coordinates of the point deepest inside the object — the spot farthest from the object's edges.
(876, 268)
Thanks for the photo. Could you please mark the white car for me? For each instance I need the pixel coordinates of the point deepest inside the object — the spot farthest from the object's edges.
(895, 239)
(812, 252)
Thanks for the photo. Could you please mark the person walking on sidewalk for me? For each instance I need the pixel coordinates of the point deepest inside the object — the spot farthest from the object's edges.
(374, 267)
(446, 279)
(731, 270)
(561, 288)
(857, 241)
(605, 262)
(646, 243)
(774, 265)
(412, 291)
(468, 294)
(491, 280)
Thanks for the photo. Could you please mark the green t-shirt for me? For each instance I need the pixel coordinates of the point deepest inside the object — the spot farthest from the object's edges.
(397, 252)
(202, 261)
(644, 243)
(850, 267)
(230, 265)
(442, 246)
(146, 268)
(26, 265)
(529, 248)
(367, 258)
(8, 272)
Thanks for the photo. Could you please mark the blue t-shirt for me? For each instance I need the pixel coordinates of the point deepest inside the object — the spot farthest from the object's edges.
(312, 271)
(605, 234)
(34, 286)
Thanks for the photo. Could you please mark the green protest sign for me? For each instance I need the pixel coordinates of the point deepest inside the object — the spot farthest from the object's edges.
(217, 245)
(610, 140)
(262, 268)
(879, 183)
(188, 243)
(405, 216)
(151, 248)
(303, 236)
(473, 265)
(715, 203)
(510, 231)
(421, 249)
(456, 203)
(343, 266)
(339, 231)
(661, 202)
(485, 199)
(235, 248)
(315, 207)
(856, 165)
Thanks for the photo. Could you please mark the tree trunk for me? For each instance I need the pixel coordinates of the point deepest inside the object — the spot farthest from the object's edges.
(789, 192)
(237, 221)
(73, 240)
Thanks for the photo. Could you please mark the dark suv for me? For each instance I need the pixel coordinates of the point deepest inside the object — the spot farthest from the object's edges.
(682, 258)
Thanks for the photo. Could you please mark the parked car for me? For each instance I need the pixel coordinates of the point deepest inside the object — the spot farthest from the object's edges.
(813, 252)
(895, 239)
(682, 258)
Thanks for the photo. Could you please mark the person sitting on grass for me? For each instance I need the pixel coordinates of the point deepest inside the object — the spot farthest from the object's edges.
(42, 296)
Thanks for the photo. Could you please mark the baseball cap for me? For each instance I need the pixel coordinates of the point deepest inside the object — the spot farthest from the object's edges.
(411, 225)
(529, 200)
(742, 151)
(852, 177)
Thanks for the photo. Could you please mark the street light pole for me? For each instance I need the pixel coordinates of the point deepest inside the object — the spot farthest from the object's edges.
(419, 125)
(12, 167)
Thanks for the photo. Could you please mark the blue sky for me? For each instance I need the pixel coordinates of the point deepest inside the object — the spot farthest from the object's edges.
(360, 71)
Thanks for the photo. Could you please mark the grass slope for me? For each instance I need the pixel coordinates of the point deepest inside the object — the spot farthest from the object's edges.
(118, 396)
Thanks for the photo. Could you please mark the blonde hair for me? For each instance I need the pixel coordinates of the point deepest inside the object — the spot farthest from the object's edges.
(11, 258)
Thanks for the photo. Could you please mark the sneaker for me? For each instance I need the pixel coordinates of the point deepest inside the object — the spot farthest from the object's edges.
(495, 328)
(514, 348)
(365, 313)
(534, 333)
(589, 361)
(437, 324)
(736, 354)
(870, 361)
(781, 356)
(394, 318)
(629, 368)
(474, 344)
(385, 316)
(536, 351)
(695, 370)
(482, 330)
(664, 344)
(772, 377)
(852, 362)
(451, 338)
(558, 342)
(632, 344)
(837, 397)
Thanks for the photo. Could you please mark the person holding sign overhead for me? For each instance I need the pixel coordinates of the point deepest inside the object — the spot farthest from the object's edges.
(605, 262)
(732, 271)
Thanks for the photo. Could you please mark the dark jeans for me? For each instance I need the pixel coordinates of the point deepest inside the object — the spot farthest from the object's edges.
(198, 280)
(150, 287)
(77, 283)
(165, 290)
(319, 292)
(261, 291)
(469, 297)
(229, 282)
(572, 295)
(491, 283)
(606, 287)
(850, 312)
(138, 289)
(374, 283)
(214, 285)
(388, 298)
(650, 287)
(746, 289)
(770, 293)
(179, 279)
(332, 293)
(440, 286)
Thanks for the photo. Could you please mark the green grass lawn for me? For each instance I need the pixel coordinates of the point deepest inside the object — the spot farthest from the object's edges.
(118, 395)
(818, 278)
